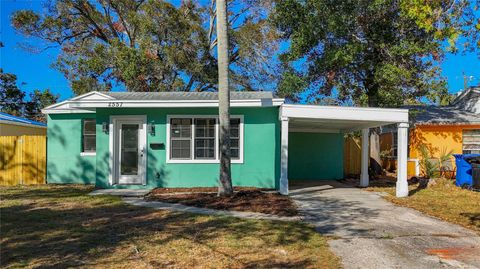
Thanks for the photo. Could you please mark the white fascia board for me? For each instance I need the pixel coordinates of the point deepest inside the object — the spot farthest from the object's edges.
(383, 115)
(171, 103)
(93, 96)
(66, 111)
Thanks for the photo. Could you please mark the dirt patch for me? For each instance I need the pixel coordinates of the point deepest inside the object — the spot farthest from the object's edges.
(253, 200)
(203, 189)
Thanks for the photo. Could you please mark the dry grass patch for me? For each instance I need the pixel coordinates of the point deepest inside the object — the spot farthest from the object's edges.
(60, 226)
(443, 200)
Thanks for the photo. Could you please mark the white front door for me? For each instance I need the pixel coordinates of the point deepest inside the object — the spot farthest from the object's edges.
(130, 150)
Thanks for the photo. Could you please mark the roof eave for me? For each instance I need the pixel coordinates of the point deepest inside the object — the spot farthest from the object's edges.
(86, 106)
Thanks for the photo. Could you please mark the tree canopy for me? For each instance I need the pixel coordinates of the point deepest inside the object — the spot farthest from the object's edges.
(151, 45)
(377, 53)
(13, 100)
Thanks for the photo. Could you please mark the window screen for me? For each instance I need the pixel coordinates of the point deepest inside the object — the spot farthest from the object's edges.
(89, 143)
(180, 138)
(235, 138)
(205, 138)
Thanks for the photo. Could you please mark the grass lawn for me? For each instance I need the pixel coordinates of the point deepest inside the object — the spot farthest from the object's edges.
(60, 226)
(443, 200)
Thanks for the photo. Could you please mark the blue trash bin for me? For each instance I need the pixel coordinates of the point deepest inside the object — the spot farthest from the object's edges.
(464, 169)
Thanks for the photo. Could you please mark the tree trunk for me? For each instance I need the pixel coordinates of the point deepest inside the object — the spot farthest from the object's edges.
(372, 94)
(225, 185)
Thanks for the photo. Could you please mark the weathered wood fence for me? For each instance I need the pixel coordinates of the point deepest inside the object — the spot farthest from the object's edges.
(352, 156)
(23, 160)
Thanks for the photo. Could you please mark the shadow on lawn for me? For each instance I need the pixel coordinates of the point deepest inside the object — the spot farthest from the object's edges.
(474, 218)
(78, 232)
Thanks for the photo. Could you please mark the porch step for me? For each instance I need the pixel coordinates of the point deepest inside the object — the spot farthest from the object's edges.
(120, 192)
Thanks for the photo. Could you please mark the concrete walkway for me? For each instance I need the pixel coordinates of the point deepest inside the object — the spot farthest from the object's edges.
(373, 233)
(120, 192)
(204, 211)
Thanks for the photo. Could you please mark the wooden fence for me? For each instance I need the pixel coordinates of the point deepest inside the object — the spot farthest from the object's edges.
(23, 160)
(352, 156)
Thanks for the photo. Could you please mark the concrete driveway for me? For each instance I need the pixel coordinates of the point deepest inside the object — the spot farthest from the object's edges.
(371, 233)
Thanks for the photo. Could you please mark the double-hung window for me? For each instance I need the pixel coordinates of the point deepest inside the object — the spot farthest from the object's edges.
(181, 139)
(195, 139)
(89, 144)
(235, 138)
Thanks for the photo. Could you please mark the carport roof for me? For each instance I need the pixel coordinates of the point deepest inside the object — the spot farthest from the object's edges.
(335, 119)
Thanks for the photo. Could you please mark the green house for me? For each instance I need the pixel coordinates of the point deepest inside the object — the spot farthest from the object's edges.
(170, 139)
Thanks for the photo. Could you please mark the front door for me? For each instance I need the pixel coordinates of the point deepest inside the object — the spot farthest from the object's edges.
(130, 151)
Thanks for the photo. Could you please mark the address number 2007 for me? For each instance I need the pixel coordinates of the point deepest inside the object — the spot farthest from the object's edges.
(115, 104)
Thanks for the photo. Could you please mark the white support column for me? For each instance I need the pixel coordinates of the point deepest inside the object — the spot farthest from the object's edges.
(402, 148)
(364, 180)
(284, 157)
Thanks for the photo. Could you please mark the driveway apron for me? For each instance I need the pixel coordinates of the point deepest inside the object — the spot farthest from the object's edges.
(370, 232)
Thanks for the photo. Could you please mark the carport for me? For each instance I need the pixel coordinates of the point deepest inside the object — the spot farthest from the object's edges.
(339, 120)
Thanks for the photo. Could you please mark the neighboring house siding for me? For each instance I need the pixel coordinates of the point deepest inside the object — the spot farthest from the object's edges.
(315, 156)
(64, 163)
(438, 138)
(261, 150)
(15, 130)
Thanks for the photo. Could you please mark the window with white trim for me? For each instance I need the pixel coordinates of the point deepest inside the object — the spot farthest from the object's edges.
(195, 139)
(205, 134)
(180, 139)
(471, 141)
(235, 138)
(89, 144)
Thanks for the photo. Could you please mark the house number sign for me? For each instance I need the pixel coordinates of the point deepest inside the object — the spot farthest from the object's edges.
(115, 104)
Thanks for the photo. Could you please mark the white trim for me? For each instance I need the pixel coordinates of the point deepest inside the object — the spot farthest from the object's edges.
(192, 145)
(22, 124)
(401, 188)
(88, 96)
(66, 111)
(78, 105)
(368, 115)
(284, 156)
(113, 143)
(88, 154)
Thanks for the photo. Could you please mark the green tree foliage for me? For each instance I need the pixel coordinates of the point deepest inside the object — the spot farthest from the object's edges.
(369, 53)
(13, 99)
(149, 45)
(447, 20)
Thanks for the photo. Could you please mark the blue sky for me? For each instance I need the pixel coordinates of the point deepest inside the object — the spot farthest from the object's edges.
(35, 71)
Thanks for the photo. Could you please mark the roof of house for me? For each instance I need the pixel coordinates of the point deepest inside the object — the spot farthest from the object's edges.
(442, 115)
(468, 99)
(187, 95)
(89, 102)
(10, 119)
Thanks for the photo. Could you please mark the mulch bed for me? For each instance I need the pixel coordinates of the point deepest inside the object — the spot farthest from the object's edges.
(250, 200)
(203, 189)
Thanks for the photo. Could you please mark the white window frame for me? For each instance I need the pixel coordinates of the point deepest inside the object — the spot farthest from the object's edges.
(192, 145)
(83, 152)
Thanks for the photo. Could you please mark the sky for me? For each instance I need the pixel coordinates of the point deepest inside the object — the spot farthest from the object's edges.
(34, 70)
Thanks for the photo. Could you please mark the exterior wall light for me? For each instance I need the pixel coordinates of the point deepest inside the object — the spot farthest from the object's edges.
(151, 128)
(105, 127)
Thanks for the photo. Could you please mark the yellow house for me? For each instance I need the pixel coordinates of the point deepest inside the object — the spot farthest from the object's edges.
(15, 126)
(454, 128)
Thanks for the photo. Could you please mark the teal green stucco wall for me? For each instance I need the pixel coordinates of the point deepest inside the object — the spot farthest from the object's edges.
(64, 163)
(261, 150)
(315, 156)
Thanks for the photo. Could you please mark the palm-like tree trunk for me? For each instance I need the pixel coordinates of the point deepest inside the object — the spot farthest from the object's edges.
(225, 186)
